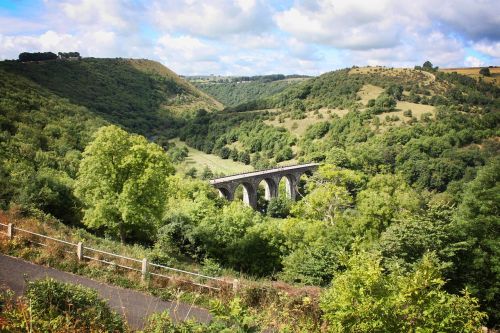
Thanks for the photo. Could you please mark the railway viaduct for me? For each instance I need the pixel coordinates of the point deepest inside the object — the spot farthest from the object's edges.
(272, 177)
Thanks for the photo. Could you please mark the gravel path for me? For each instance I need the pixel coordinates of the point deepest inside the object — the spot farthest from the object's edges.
(133, 305)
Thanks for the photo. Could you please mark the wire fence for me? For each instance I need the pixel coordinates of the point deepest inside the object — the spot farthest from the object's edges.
(142, 266)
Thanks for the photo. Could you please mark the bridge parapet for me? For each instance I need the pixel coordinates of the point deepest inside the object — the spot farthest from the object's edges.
(271, 177)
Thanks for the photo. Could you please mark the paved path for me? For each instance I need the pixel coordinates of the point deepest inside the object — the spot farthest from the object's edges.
(133, 305)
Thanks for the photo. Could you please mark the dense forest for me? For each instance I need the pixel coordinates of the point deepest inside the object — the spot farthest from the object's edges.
(401, 218)
(237, 90)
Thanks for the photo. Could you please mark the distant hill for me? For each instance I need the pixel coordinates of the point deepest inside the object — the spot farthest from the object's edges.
(339, 90)
(141, 95)
(232, 91)
(341, 109)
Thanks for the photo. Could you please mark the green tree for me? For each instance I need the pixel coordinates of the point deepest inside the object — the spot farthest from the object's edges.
(325, 202)
(279, 207)
(122, 183)
(478, 223)
(225, 152)
(207, 173)
(237, 236)
(53, 304)
(192, 172)
(407, 240)
(364, 298)
(427, 66)
(244, 157)
(385, 198)
(485, 71)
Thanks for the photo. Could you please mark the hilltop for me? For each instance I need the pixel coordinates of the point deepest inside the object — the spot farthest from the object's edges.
(474, 72)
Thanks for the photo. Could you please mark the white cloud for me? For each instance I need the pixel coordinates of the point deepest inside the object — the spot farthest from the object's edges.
(116, 15)
(362, 25)
(472, 61)
(12, 25)
(212, 18)
(97, 43)
(440, 49)
(248, 41)
(475, 19)
(355, 24)
(11, 46)
(259, 37)
(186, 54)
(491, 49)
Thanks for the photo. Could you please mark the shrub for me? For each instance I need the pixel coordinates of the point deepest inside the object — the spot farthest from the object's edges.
(366, 299)
(53, 302)
(279, 207)
(485, 71)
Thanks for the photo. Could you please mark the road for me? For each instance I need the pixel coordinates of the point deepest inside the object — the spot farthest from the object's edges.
(135, 306)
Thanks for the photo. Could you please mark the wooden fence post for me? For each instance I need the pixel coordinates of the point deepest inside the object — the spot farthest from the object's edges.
(79, 251)
(144, 269)
(10, 231)
(236, 285)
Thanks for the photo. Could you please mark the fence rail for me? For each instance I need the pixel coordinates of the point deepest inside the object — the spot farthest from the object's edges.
(80, 249)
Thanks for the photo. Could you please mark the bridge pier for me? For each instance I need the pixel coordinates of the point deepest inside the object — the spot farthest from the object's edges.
(291, 182)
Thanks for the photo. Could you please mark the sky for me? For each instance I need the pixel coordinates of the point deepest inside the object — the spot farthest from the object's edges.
(253, 37)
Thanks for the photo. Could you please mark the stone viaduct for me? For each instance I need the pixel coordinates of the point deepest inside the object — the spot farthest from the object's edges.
(272, 177)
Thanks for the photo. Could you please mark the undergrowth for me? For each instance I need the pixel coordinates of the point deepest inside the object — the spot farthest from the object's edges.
(276, 306)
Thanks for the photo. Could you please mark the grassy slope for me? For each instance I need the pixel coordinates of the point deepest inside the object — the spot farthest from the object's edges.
(138, 94)
(50, 110)
(374, 80)
(474, 73)
(200, 160)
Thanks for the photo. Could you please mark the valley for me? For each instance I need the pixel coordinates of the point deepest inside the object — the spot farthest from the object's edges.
(117, 153)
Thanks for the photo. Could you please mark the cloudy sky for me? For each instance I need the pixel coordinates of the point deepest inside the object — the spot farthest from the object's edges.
(249, 37)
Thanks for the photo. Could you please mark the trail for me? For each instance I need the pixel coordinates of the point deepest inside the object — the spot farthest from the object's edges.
(135, 306)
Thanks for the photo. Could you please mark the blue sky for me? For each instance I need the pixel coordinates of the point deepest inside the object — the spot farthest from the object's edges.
(250, 37)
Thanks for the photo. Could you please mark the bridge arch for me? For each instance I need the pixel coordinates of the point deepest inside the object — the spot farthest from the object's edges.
(290, 185)
(249, 194)
(270, 187)
(226, 193)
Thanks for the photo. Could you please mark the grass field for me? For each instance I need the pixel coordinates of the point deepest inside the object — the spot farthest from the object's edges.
(474, 73)
(417, 110)
(422, 76)
(299, 126)
(368, 92)
(200, 160)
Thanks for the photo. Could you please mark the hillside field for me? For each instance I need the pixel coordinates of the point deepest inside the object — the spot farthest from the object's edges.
(474, 73)
(200, 160)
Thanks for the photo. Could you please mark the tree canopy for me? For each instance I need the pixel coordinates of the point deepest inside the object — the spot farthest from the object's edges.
(122, 182)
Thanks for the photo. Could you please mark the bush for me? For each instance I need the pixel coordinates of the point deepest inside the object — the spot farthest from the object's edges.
(485, 71)
(224, 153)
(54, 302)
(279, 207)
(366, 299)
